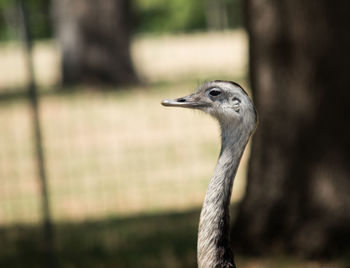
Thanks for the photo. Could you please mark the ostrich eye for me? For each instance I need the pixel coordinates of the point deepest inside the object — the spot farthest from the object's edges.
(214, 92)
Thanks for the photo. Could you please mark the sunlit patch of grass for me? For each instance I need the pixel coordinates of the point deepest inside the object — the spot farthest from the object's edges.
(107, 152)
(113, 151)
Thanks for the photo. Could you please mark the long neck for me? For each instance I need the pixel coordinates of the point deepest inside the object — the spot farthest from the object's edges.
(213, 248)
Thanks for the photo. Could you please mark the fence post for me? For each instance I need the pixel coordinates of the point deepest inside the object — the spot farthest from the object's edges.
(50, 258)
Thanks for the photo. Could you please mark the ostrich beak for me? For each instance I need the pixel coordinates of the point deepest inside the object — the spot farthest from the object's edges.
(190, 101)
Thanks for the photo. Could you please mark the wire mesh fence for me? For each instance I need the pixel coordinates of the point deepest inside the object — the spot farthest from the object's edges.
(109, 154)
(106, 154)
(118, 163)
(107, 151)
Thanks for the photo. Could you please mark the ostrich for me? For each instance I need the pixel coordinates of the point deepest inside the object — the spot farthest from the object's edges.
(231, 106)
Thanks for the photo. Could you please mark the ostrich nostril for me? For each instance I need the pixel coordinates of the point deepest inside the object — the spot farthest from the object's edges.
(181, 100)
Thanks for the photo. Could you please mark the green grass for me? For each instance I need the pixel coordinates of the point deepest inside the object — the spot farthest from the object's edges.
(142, 241)
(126, 176)
(152, 240)
(117, 163)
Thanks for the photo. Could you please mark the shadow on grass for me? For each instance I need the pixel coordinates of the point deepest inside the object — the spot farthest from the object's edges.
(21, 93)
(162, 240)
(157, 241)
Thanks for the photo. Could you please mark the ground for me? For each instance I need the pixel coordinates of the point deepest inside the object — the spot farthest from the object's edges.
(127, 176)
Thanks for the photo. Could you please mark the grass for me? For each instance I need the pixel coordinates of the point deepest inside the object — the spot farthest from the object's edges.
(117, 164)
(147, 240)
(126, 176)
(141, 241)
(108, 153)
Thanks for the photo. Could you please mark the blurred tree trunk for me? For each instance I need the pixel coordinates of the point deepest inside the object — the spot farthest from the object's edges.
(298, 192)
(94, 37)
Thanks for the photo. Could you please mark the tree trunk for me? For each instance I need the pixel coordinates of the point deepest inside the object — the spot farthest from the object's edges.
(94, 37)
(298, 188)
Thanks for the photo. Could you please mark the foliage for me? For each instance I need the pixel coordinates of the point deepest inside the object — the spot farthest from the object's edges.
(180, 15)
(150, 16)
(39, 18)
(169, 16)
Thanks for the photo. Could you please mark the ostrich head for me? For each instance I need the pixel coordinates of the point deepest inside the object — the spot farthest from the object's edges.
(231, 106)
(224, 100)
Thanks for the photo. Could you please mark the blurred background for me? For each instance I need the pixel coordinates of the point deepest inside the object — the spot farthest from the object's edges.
(94, 172)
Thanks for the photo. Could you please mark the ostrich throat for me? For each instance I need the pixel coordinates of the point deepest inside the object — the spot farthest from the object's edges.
(214, 248)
